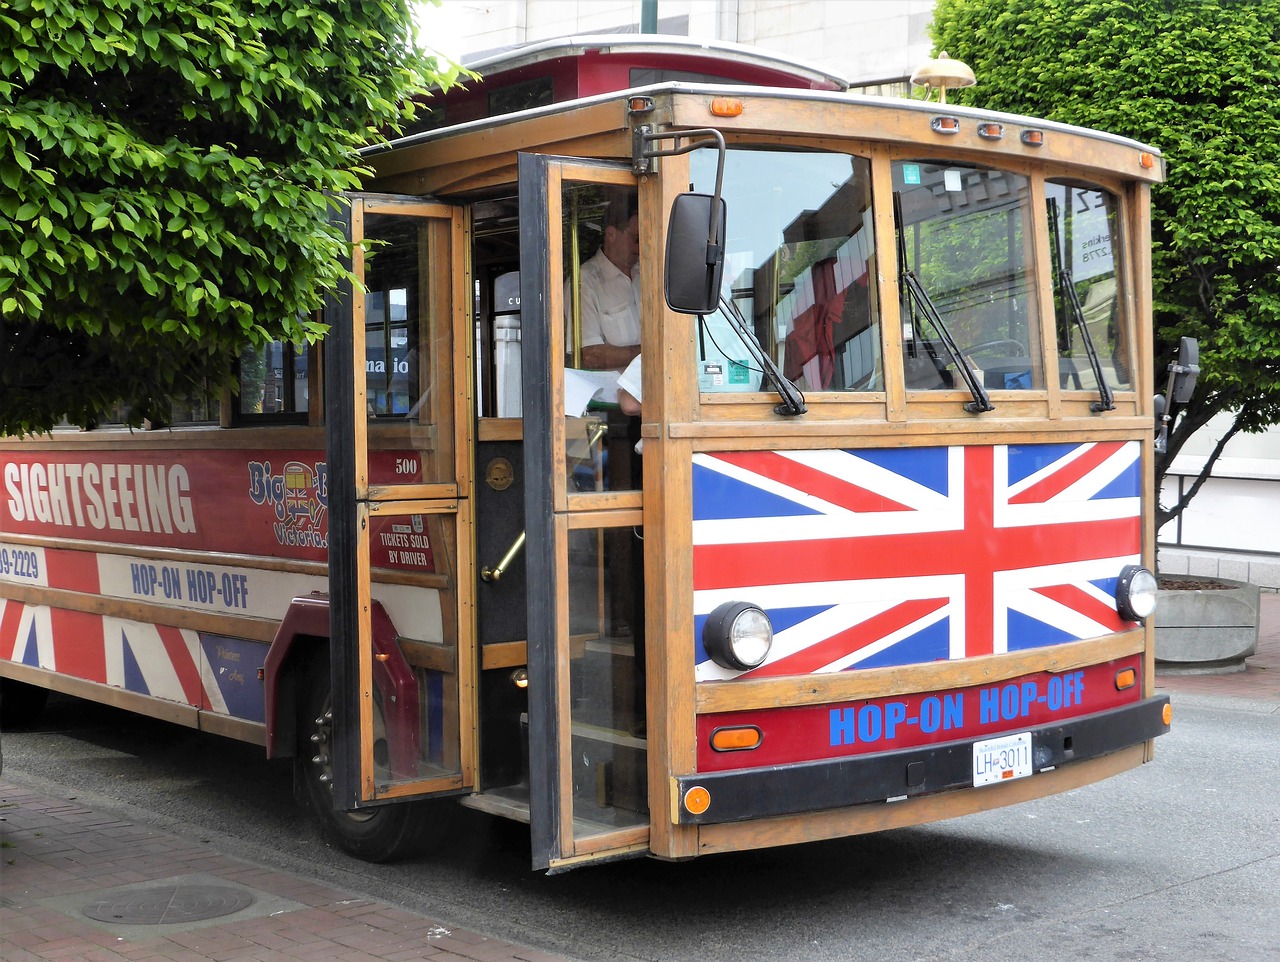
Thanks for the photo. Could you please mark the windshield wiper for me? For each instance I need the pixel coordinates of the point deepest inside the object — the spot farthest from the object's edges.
(1067, 291)
(918, 300)
(792, 398)
(924, 304)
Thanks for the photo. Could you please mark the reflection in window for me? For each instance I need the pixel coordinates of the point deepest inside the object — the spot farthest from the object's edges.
(391, 306)
(799, 250)
(273, 380)
(965, 233)
(1085, 242)
(408, 355)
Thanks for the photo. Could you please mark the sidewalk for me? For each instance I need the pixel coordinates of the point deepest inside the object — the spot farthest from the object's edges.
(80, 886)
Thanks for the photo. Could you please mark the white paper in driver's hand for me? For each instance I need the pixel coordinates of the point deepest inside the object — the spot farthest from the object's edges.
(580, 387)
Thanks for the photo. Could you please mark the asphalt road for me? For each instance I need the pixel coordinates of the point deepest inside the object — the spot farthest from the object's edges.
(1177, 860)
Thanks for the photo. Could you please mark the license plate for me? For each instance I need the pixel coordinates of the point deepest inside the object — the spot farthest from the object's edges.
(1001, 759)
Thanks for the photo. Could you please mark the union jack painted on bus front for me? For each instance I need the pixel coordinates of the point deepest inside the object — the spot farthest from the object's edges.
(898, 556)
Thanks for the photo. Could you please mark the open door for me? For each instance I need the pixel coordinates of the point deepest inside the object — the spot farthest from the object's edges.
(588, 777)
(403, 651)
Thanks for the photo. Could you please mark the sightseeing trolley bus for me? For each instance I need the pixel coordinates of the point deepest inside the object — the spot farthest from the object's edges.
(875, 552)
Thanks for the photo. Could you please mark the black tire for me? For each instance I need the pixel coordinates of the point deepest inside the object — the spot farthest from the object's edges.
(384, 833)
(20, 703)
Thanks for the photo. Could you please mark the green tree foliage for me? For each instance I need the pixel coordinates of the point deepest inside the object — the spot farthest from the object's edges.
(1197, 79)
(166, 172)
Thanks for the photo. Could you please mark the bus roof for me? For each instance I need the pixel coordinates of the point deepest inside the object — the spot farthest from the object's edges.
(574, 68)
(733, 60)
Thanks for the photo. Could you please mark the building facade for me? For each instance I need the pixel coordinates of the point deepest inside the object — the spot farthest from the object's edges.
(870, 42)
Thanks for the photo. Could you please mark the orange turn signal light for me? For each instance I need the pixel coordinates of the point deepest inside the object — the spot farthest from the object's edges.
(726, 107)
(1126, 678)
(697, 800)
(736, 739)
(1167, 714)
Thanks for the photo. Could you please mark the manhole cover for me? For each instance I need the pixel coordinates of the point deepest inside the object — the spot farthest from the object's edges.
(169, 905)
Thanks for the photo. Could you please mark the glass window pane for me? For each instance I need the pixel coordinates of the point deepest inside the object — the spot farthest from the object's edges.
(408, 348)
(1086, 246)
(273, 379)
(965, 234)
(798, 278)
(602, 334)
(415, 690)
(606, 679)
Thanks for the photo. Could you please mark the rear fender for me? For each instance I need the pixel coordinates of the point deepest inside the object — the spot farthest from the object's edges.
(304, 634)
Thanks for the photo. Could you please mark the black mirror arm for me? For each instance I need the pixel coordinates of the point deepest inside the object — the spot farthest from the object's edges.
(643, 152)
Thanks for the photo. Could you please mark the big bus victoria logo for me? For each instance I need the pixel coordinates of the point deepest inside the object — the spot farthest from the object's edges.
(299, 495)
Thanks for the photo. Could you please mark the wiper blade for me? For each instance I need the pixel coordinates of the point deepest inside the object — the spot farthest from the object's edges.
(918, 300)
(792, 398)
(1067, 289)
(924, 304)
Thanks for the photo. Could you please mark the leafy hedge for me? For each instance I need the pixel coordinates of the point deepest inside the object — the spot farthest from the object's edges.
(1198, 79)
(166, 170)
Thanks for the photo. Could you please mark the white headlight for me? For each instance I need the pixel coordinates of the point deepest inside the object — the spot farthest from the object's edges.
(1136, 593)
(738, 635)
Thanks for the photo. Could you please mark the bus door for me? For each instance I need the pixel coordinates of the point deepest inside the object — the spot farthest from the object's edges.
(588, 781)
(403, 651)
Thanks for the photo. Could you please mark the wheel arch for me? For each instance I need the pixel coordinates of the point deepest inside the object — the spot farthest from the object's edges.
(303, 632)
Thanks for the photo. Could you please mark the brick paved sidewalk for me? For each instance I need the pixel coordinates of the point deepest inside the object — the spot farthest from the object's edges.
(80, 886)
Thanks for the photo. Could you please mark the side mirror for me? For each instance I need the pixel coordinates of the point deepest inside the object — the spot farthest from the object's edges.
(1182, 384)
(1184, 371)
(695, 257)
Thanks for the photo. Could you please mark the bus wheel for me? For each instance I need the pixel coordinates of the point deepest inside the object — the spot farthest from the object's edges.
(381, 834)
(20, 703)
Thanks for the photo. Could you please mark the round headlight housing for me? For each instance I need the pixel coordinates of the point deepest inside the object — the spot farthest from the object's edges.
(1136, 593)
(738, 635)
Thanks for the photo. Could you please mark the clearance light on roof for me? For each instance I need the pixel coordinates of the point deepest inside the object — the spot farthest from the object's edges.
(990, 131)
(946, 125)
(726, 107)
(1146, 160)
(1033, 138)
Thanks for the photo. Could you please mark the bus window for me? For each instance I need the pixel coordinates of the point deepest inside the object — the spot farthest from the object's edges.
(1085, 245)
(602, 333)
(964, 231)
(273, 381)
(798, 257)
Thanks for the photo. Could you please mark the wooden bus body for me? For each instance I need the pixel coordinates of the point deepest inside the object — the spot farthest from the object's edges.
(534, 613)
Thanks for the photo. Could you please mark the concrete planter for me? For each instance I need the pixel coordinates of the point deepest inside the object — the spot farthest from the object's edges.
(1205, 630)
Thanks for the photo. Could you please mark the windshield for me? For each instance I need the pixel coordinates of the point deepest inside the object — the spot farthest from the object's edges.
(1086, 247)
(964, 232)
(799, 239)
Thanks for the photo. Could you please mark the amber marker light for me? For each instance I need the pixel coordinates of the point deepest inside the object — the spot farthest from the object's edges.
(991, 131)
(1126, 678)
(946, 125)
(697, 800)
(736, 739)
(1033, 138)
(1167, 714)
(726, 107)
(1146, 160)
